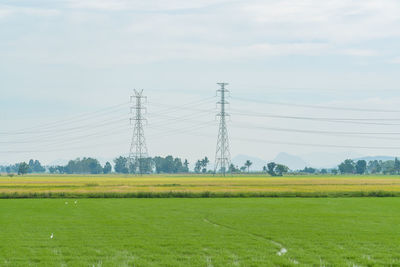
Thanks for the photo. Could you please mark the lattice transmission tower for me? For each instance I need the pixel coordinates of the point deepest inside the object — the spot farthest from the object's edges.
(222, 154)
(138, 150)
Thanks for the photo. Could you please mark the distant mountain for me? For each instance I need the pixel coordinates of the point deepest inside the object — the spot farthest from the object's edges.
(292, 161)
(328, 159)
(258, 163)
(371, 158)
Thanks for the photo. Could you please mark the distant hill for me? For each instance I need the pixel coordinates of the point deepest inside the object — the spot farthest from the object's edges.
(328, 159)
(292, 161)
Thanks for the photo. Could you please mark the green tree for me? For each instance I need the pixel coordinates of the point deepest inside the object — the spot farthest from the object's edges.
(374, 166)
(107, 168)
(271, 168)
(361, 166)
(233, 169)
(146, 165)
(265, 169)
(281, 169)
(388, 167)
(186, 166)
(309, 170)
(23, 168)
(204, 164)
(248, 163)
(35, 166)
(397, 165)
(52, 169)
(347, 166)
(121, 165)
(197, 167)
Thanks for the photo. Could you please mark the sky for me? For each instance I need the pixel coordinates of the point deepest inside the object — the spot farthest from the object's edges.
(68, 68)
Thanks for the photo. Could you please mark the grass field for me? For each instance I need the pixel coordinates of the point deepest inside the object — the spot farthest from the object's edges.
(196, 186)
(200, 232)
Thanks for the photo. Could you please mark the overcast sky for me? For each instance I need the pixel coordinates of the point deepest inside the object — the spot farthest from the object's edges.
(67, 69)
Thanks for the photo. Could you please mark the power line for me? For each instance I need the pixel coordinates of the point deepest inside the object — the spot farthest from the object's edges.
(321, 119)
(341, 134)
(50, 126)
(322, 132)
(274, 142)
(318, 106)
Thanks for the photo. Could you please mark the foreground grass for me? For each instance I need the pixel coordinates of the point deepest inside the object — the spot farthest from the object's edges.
(197, 186)
(200, 232)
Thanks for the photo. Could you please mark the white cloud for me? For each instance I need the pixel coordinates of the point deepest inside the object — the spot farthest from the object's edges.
(9, 10)
(395, 60)
(253, 29)
(339, 21)
(359, 52)
(153, 5)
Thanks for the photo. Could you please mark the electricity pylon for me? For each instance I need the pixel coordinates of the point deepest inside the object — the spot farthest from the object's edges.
(222, 154)
(138, 150)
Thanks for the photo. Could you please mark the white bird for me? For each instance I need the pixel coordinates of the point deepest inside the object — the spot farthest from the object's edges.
(282, 252)
(51, 236)
(66, 203)
(76, 201)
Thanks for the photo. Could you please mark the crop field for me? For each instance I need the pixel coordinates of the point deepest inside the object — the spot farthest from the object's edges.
(200, 232)
(196, 186)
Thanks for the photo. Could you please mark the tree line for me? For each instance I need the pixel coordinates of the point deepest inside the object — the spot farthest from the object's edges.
(170, 164)
(372, 167)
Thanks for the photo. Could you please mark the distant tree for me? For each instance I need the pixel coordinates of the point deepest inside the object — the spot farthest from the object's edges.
(374, 166)
(169, 164)
(23, 168)
(204, 163)
(107, 168)
(248, 163)
(185, 166)
(121, 165)
(361, 166)
(397, 165)
(61, 169)
(35, 166)
(281, 169)
(94, 166)
(141, 166)
(265, 169)
(309, 170)
(197, 167)
(52, 169)
(347, 166)
(324, 171)
(243, 168)
(233, 169)
(271, 168)
(334, 171)
(388, 167)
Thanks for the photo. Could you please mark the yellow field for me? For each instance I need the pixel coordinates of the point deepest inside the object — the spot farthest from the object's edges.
(195, 184)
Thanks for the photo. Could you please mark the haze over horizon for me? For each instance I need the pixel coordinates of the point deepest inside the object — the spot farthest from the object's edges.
(305, 77)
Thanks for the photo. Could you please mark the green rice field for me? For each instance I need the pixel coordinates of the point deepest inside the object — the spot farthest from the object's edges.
(196, 186)
(200, 232)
